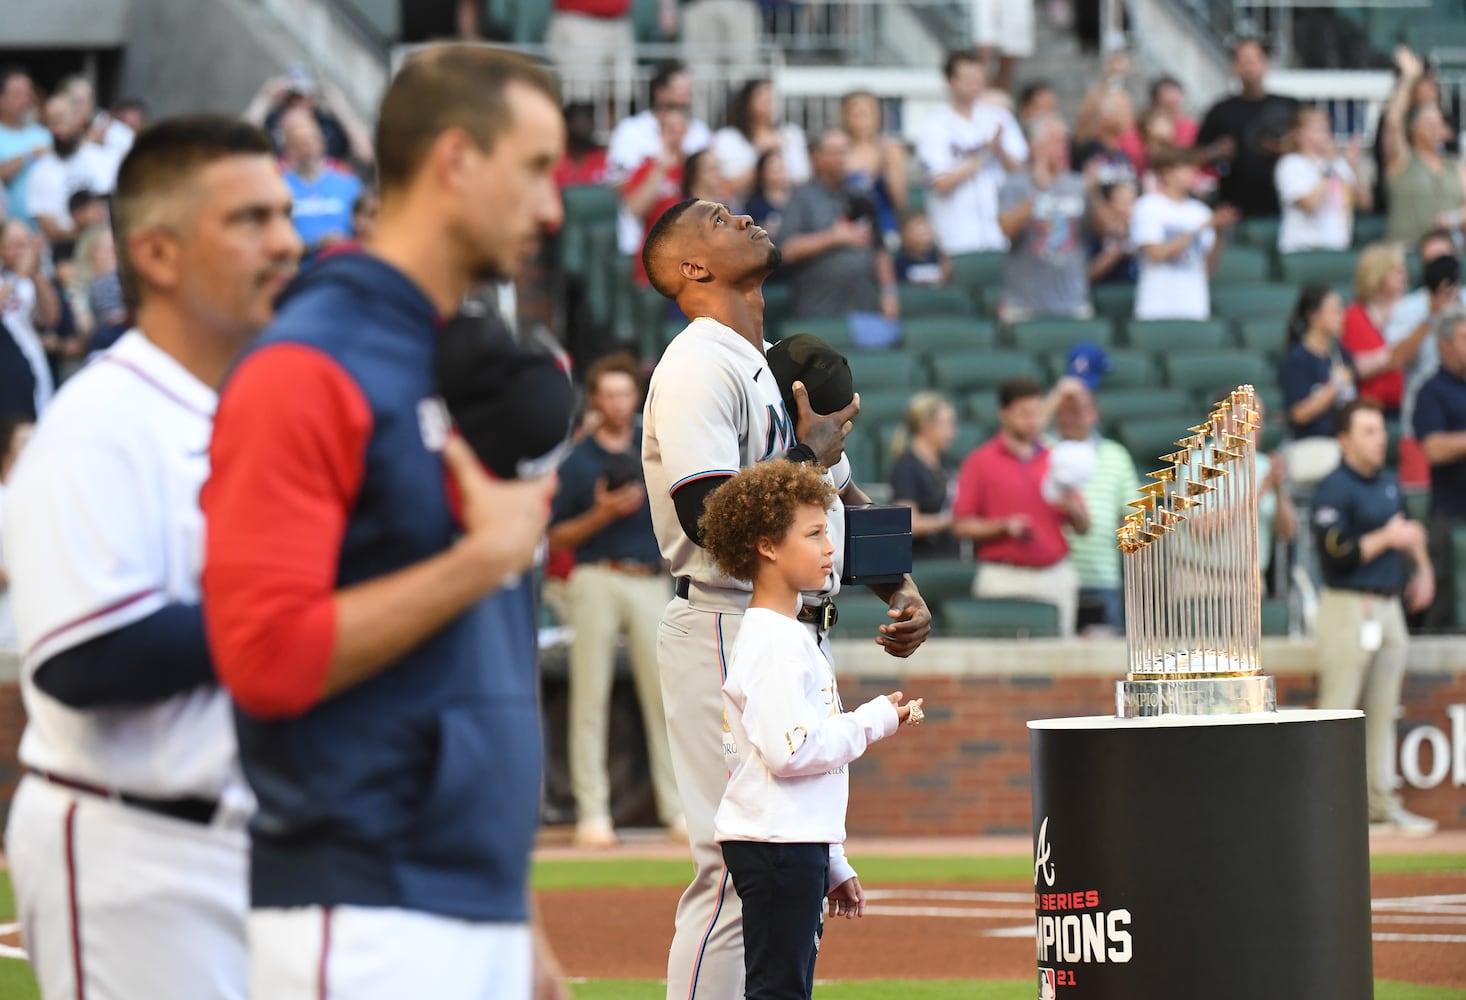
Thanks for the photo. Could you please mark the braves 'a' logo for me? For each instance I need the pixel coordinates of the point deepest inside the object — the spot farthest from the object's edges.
(1041, 864)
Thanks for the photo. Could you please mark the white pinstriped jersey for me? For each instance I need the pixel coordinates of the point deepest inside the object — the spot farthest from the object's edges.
(102, 529)
(713, 408)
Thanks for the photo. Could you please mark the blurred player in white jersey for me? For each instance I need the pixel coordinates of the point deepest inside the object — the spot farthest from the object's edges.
(127, 835)
(713, 408)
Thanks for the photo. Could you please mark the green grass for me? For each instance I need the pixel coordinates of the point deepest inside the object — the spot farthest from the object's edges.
(877, 870)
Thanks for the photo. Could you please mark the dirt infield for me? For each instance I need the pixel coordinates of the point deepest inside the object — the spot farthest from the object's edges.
(972, 931)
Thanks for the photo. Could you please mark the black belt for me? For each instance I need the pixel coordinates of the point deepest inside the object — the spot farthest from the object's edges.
(189, 810)
(822, 616)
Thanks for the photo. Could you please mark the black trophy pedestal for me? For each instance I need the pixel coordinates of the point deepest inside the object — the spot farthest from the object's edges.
(1217, 858)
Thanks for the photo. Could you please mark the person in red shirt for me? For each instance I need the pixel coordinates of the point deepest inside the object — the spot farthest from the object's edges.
(1379, 282)
(656, 185)
(585, 160)
(1000, 505)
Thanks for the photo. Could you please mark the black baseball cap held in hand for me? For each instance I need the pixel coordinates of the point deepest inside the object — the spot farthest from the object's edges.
(511, 402)
(823, 370)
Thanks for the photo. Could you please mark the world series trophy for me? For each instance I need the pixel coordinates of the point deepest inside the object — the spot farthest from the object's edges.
(1193, 581)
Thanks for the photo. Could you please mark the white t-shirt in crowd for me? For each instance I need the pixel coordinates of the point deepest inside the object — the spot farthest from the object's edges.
(737, 156)
(965, 219)
(1331, 225)
(1175, 288)
(791, 740)
(53, 181)
(17, 314)
(634, 141)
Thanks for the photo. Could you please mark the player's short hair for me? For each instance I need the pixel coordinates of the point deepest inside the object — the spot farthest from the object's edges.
(956, 58)
(758, 503)
(620, 363)
(656, 242)
(1344, 415)
(1015, 390)
(159, 165)
(445, 87)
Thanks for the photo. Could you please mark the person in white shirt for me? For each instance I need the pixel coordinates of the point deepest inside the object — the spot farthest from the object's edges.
(106, 133)
(752, 129)
(1178, 240)
(967, 148)
(639, 138)
(72, 165)
(781, 822)
(1409, 329)
(126, 836)
(1318, 188)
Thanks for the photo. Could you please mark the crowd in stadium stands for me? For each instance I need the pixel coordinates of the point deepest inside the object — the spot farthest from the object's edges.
(1054, 298)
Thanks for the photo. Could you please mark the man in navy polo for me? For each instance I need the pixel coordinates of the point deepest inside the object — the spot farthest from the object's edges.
(1366, 547)
(1440, 427)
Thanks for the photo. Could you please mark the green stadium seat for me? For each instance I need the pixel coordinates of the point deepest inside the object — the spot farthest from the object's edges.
(646, 20)
(975, 273)
(1266, 335)
(998, 618)
(778, 300)
(1202, 372)
(1242, 264)
(934, 336)
(961, 372)
(1319, 267)
(893, 369)
(942, 580)
(1369, 229)
(861, 615)
(1129, 369)
(833, 330)
(1115, 301)
(1167, 335)
(881, 407)
(1261, 233)
(863, 448)
(1042, 336)
(1147, 438)
(1247, 301)
(648, 316)
(1274, 617)
(982, 407)
(1118, 406)
(928, 300)
(971, 435)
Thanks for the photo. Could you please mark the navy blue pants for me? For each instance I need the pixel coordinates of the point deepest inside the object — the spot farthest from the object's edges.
(783, 889)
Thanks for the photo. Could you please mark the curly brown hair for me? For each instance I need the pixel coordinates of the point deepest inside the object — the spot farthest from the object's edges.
(758, 503)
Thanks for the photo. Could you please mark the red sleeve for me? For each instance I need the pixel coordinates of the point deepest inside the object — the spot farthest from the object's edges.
(288, 456)
(1359, 336)
(968, 502)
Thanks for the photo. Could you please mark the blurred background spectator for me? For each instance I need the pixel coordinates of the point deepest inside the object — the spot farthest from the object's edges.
(1427, 189)
(29, 309)
(1112, 258)
(585, 159)
(1411, 330)
(920, 261)
(346, 138)
(967, 147)
(323, 193)
(1379, 282)
(770, 192)
(1178, 241)
(754, 129)
(715, 32)
(1163, 122)
(1319, 189)
(876, 163)
(1106, 143)
(1440, 427)
(1042, 212)
(72, 164)
(922, 476)
(1247, 133)
(656, 183)
(22, 140)
(1317, 377)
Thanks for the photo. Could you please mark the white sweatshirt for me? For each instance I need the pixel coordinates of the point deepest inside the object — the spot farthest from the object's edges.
(791, 741)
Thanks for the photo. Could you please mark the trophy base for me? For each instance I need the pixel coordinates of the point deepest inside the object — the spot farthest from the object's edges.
(1140, 699)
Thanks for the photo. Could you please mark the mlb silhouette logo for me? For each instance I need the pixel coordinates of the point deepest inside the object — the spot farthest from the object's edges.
(1048, 987)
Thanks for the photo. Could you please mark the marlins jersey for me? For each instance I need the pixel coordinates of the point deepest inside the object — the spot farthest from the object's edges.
(713, 408)
(102, 529)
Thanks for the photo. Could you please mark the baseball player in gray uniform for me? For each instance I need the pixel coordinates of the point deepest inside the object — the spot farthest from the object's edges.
(714, 407)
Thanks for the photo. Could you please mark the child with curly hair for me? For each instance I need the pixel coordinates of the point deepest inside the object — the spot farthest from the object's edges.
(781, 822)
